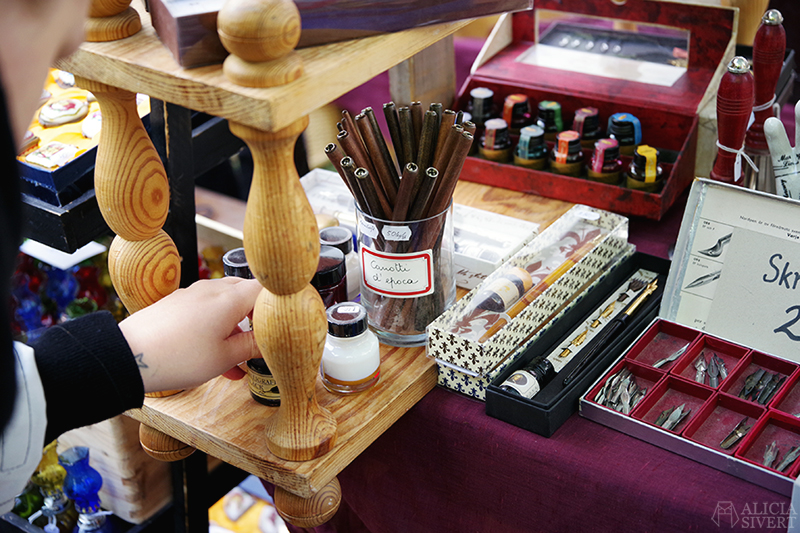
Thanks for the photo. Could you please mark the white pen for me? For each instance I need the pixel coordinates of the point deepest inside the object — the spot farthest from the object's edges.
(784, 162)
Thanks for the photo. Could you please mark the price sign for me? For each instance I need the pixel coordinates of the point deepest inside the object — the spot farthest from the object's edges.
(757, 300)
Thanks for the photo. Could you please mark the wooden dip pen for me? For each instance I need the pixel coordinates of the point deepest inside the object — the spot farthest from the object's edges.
(314, 434)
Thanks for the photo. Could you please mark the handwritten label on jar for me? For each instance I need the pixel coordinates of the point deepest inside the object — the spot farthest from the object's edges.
(398, 275)
(396, 233)
(368, 228)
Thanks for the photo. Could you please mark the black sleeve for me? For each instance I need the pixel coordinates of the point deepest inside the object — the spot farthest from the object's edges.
(88, 372)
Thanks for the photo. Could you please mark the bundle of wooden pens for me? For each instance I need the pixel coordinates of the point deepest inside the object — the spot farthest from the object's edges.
(430, 147)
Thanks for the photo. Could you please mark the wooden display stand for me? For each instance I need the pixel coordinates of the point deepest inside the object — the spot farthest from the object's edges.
(308, 441)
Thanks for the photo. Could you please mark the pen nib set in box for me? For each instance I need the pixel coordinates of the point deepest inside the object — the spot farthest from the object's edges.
(480, 334)
(596, 102)
(716, 374)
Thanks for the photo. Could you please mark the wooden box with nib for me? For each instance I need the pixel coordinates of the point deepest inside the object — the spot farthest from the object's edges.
(635, 72)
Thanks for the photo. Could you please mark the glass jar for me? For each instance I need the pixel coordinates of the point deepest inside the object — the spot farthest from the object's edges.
(530, 379)
(495, 144)
(606, 166)
(587, 124)
(330, 280)
(644, 173)
(531, 149)
(516, 112)
(567, 157)
(342, 238)
(550, 119)
(351, 359)
(627, 130)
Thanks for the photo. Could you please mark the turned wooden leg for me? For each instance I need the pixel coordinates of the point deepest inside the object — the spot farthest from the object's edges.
(309, 512)
(281, 241)
(261, 36)
(110, 20)
(133, 195)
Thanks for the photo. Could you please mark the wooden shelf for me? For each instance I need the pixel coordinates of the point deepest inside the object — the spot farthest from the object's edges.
(221, 419)
(141, 63)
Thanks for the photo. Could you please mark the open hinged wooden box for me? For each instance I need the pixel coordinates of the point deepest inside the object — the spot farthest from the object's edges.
(730, 298)
(664, 93)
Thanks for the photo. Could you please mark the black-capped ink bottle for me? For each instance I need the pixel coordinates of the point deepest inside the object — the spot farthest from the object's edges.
(495, 144)
(516, 112)
(260, 381)
(566, 157)
(529, 380)
(644, 173)
(330, 279)
(550, 119)
(351, 359)
(587, 124)
(606, 166)
(531, 151)
(342, 238)
(627, 130)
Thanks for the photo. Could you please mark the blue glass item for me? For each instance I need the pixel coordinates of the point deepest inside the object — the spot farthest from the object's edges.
(61, 288)
(82, 484)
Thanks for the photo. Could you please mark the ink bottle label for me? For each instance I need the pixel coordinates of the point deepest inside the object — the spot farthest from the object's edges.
(524, 383)
(263, 387)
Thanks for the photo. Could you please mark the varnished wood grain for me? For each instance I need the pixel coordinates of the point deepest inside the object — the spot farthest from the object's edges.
(129, 178)
(259, 30)
(114, 27)
(161, 446)
(143, 272)
(142, 63)
(264, 74)
(290, 331)
(106, 8)
(280, 232)
(221, 419)
(309, 512)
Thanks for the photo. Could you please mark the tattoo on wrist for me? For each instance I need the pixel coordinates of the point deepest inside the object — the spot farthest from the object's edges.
(140, 361)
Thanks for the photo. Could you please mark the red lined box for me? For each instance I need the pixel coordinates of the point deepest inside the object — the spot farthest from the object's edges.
(672, 392)
(718, 417)
(730, 353)
(750, 364)
(661, 340)
(775, 427)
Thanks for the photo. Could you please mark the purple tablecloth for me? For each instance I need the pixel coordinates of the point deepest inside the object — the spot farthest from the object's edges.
(447, 467)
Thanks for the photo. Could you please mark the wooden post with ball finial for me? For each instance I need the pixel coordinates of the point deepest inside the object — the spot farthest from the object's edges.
(110, 20)
(281, 240)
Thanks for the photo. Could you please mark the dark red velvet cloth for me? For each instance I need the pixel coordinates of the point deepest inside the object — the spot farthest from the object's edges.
(447, 467)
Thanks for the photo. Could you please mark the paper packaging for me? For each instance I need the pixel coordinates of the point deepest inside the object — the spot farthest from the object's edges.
(465, 362)
(483, 240)
(730, 292)
(554, 404)
(513, 61)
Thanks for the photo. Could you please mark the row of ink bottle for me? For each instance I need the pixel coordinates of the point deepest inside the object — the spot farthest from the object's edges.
(566, 157)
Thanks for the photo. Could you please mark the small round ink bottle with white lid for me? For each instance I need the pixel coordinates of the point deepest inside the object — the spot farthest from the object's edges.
(352, 358)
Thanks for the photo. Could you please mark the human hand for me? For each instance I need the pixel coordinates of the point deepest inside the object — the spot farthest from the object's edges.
(191, 335)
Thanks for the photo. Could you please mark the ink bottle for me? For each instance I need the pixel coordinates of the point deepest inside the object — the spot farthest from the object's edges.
(587, 124)
(516, 112)
(504, 291)
(531, 151)
(550, 119)
(627, 130)
(644, 173)
(330, 279)
(481, 105)
(260, 381)
(606, 166)
(530, 379)
(262, 384)
(566, 157)
(351, 359)
(495, 143)
(342, 238)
